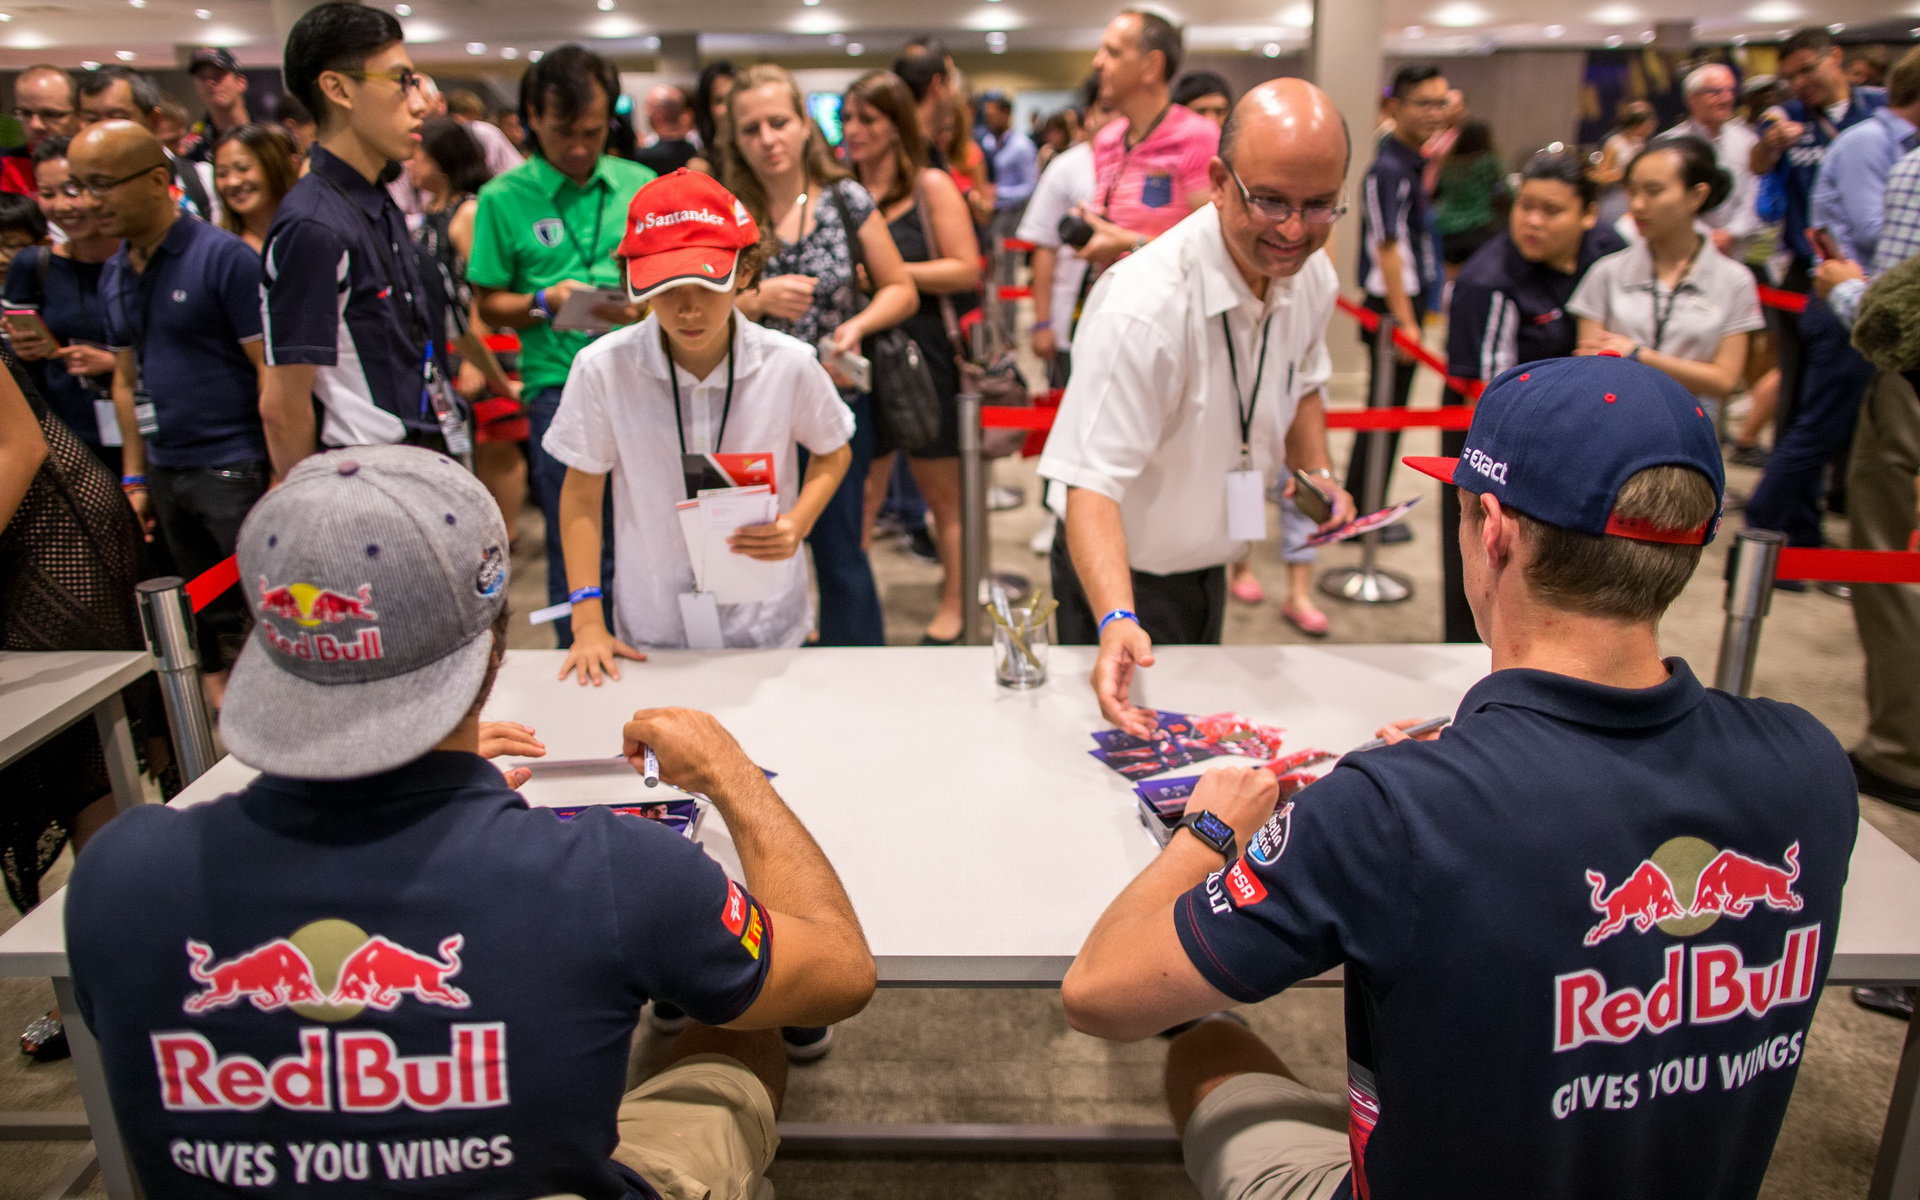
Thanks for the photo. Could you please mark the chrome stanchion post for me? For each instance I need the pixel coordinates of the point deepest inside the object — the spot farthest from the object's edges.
(1756, 556)
(167, 618)
(973, 522)
(1370, 583)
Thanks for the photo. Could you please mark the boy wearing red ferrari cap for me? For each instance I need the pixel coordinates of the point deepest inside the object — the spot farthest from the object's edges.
(693, 378)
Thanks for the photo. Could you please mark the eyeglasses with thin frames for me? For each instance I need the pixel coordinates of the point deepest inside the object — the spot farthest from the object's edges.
(49, 115)
(1279, 211)
(406, 77)
(97, 190)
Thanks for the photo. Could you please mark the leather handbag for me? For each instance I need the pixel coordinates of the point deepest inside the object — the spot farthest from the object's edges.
(905, 405)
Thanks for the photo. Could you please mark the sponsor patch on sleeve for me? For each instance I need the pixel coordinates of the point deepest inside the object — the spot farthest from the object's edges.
(734, 914)
(1244, 888)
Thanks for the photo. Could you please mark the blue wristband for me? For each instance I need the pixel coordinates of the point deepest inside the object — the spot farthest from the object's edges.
(540, 304)
(586, 593)
(133, 481)
(1118, 614)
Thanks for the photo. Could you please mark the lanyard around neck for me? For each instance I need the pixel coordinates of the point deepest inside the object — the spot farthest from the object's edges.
(585, 252)
(1663, 314)
(1244, 406)
(673, 381)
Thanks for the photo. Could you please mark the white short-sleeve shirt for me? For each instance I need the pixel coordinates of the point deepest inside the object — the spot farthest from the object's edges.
(1067, 181)
(1717, 298)
(616, 417)
(1150, 418)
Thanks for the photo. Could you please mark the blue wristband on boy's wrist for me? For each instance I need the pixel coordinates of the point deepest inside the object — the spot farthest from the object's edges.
(1118, 614)
(586, 593)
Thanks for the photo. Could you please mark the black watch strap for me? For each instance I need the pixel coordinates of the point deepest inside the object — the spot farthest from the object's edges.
(1213, 831)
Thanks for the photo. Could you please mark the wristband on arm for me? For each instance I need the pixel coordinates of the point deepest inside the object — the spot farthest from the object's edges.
(1118, 614)
(585, 593)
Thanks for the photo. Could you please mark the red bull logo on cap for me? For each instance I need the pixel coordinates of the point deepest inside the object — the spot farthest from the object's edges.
(310, 607)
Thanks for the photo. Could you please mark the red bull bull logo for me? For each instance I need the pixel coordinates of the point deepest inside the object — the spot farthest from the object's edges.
(279, 975)
(310, 608)
(1729, 884)
(379, 973)
(272, 976)
(1644, 900)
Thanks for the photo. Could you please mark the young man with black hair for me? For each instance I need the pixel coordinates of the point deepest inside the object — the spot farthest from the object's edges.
(1150, 167)
(117, 93)
(544, 230)
(1398, 267)
(352, 332)
(1583, 930)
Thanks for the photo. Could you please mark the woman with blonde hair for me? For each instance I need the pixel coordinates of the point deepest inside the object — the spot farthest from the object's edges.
(773, 158)
(931, 226)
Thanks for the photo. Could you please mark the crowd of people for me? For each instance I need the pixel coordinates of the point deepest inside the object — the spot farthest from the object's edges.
(284, 338)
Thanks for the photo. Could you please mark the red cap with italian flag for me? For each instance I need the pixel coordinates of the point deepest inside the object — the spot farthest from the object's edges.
(684, 228)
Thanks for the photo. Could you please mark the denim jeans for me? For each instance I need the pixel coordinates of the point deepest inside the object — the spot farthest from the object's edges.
(546, 473)
(850, 612)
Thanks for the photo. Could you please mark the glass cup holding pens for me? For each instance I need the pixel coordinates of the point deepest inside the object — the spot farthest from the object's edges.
(1020, 640)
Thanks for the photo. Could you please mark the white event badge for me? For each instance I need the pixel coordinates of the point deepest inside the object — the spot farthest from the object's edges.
(108, 421)
(1246, 503)
(700, 613)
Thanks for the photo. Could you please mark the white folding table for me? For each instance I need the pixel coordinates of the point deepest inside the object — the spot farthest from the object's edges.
(951, 809)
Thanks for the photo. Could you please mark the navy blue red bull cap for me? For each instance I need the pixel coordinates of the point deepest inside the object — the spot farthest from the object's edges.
(374, 575)
(1557, 440)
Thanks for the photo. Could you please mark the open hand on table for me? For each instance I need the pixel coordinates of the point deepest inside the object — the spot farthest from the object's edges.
(1124, 647)
(498, 738)
(595, 654)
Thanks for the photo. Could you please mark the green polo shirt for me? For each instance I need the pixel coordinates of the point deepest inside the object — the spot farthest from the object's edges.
(536, 228)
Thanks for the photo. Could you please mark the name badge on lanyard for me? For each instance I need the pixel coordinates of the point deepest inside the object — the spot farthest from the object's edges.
(1246, 486)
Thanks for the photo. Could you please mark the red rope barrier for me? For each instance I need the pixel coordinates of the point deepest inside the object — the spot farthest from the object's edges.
(1015, 293)
(1848, 566)
(1792, 302)
(208, 587)
(1016, 246)
(1452, 416)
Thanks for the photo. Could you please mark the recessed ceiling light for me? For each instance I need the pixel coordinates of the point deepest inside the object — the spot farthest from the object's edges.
(649, 43)
(605, 5)
(1613, 41)
(1774, 11)
(1647, 36)
(536, 55)
(403, 10)
(138, 3)
(1554, 31)
(1271, 49)
(998, 49)
(1460, 15)
(1299, 16)
(123, 55)
(1616, 14)
(836, 39)
(1245, 43)
(1783, 33)
(810, 3)
(1739, 39)
(87, 64)
(1415, 31)
(1837, 27)
(205, 14)
(855, 49)
(509, 52)
(6, 17)
(476, 47)
(1915, 32)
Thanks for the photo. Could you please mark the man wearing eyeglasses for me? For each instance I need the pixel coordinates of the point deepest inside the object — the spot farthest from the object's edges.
(117, 93)
(46, 106)
(1198, 376)
(353, 335)
(182, 301)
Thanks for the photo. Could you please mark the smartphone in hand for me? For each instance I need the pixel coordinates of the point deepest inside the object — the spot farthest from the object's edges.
(1309, 499)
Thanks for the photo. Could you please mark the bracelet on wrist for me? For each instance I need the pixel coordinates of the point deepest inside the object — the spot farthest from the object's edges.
(1118, 614)
(133, 481)
(539, 310)
(1037, 326)
(585, 593)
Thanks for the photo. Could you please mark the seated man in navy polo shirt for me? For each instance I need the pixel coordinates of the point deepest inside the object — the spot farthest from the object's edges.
(1583, 930)
(182, 301)
(351, 330)
(375, 971)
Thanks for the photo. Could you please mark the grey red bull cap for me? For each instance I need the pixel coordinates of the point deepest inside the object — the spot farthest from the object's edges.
(375, 575)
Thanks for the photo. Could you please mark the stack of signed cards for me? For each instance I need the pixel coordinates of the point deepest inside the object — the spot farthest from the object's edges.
(682, 815)
(1182, 740)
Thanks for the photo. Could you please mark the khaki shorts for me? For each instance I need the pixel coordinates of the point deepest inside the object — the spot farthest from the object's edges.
(702, 1127)
(1266, 1137)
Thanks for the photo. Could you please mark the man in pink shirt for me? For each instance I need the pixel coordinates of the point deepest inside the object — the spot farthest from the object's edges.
(1150, 163)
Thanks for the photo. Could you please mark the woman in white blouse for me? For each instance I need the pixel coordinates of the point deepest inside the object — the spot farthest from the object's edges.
(1673, 302)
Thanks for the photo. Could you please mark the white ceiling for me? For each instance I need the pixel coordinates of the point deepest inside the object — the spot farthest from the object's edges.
(154, 32)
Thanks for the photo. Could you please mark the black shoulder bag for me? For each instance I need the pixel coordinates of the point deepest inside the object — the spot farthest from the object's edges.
(905, 405)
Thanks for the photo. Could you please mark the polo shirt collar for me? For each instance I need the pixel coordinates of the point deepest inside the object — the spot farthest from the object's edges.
(1409, 157)
(1581, 702)
(1222, 287)
(371, 197)
(178, 238)
(293, 805)
(1638, 274)
(552, 178)
(1901, 128)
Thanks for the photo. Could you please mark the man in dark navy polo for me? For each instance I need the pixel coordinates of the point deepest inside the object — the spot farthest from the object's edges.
(350, 325)
(182, 301)
(1583, 930)
(117, 93)
(1398, 267)
(1508, 307)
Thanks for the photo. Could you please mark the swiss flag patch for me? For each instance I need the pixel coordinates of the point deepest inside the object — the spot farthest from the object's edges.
(1243, 886)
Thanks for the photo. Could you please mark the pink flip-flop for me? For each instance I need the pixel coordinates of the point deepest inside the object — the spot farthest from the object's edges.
(1310, 621)
(1247, 590)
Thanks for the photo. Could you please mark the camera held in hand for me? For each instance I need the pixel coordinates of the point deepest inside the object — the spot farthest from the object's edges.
(1075, 231)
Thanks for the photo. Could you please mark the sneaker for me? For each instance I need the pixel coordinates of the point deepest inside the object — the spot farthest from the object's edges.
(667, 1019)
(807, 1044)
(919, 545)
(1893, 1001)
(1839, 591)
(45, 1039)
(1748, 456)
(1002, 499)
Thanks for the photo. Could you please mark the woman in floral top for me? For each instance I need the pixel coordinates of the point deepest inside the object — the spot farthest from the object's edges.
(778, 164)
